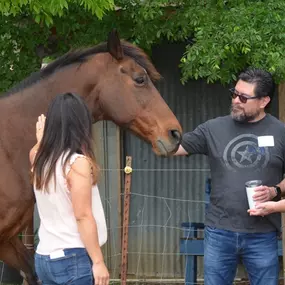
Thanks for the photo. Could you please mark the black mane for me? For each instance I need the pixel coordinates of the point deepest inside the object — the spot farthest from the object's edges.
(80, 56)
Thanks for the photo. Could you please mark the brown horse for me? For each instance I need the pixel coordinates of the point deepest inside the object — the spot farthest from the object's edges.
(115, 79)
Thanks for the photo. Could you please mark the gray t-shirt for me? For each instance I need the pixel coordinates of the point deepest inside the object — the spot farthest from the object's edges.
(239, 152)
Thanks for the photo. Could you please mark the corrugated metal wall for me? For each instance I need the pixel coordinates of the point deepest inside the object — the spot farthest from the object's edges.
(169, 191)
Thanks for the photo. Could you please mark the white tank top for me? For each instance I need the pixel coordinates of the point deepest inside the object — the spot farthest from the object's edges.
(58, 227)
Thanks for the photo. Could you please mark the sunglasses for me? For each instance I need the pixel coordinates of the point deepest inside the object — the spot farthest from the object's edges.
(242, 97)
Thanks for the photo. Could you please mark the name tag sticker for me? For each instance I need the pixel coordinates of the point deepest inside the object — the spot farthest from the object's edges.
(57, 254)
(265, 141)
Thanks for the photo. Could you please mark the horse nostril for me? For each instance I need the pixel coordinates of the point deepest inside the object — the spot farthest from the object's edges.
(176, 135)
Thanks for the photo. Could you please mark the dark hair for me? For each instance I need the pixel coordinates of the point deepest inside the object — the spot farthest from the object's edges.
(265, 85)
(68, 129)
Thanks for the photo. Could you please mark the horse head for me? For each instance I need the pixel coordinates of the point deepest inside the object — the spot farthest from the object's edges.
(125, 94)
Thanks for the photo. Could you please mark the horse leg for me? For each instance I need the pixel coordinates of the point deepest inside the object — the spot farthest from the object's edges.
(28, 237)
(28, 241)
(15, 254)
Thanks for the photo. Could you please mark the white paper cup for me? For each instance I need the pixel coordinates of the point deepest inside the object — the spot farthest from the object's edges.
(250, 186)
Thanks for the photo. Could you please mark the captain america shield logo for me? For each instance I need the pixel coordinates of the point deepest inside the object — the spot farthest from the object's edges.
(243, 152)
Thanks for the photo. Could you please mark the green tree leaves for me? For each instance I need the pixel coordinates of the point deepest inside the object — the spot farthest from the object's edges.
(236, 36)
(46, 9)
(223, 36)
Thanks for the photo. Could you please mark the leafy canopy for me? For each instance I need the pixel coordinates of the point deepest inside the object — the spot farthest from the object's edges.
(222, 37)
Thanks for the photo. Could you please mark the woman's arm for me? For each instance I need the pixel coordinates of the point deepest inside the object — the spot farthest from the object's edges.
(33, 152)
(266, 208)
(79, 181)
(39, 134)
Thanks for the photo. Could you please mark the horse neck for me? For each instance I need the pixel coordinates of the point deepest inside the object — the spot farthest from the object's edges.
(34, 100)
(19, 111)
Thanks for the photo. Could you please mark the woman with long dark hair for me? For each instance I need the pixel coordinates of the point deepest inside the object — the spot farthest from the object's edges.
(64, 174)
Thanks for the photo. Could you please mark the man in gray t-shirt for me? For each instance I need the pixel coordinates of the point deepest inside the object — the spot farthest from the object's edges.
(247, 145)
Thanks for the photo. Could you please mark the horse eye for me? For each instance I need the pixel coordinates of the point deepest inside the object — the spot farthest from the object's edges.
(123, 70)
(140, 80)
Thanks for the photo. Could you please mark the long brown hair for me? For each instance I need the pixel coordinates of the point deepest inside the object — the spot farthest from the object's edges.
(68, 130)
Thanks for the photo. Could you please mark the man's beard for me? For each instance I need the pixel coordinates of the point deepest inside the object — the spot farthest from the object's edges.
(239, 115)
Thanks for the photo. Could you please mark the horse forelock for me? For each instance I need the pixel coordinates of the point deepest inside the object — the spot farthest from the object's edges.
(81, 56)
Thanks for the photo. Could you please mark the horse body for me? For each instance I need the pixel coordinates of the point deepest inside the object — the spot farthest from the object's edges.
(116, 82)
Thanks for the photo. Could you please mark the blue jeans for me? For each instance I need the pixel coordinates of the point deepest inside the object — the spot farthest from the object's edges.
(223, 249)
(75, 268)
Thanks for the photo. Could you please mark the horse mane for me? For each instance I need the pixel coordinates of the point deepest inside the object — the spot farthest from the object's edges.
(82, 55)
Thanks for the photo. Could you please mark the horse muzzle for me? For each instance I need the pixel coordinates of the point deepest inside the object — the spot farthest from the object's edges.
(168, 146)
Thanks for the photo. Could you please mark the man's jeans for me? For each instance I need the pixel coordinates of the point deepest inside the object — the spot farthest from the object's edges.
(75, 268)
(223, 249)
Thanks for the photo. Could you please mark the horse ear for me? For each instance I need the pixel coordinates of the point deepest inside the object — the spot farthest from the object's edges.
(114, 45)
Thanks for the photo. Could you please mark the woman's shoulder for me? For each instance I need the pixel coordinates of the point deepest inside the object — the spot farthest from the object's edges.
(79, 162)
(75, 156)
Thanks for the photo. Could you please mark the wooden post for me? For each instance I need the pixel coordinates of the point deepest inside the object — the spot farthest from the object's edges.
(126, 212)
(281, 100)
